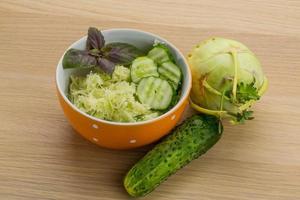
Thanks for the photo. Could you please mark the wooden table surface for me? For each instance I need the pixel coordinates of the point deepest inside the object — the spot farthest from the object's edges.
(41, 156)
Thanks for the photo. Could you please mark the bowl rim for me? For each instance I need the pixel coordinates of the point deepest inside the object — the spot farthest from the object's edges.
(185, 92)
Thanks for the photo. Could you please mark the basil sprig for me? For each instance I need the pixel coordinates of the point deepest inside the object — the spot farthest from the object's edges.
(99, 55)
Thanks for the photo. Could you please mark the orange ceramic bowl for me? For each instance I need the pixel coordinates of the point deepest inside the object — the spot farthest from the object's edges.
(120, 135)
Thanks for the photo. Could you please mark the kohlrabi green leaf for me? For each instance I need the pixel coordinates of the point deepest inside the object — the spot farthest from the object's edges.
(95, 39)
(75, 58)
(121, 53)
(246, 92)
(243, 116)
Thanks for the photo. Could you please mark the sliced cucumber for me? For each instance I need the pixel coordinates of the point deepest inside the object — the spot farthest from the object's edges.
(171, 72)
(155, 92)
(148, 116)
(143, 67)
(159, 54)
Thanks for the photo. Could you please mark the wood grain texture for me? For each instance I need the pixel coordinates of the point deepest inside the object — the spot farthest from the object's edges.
(41, 157)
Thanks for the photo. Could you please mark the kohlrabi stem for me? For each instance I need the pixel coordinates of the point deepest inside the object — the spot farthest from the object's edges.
(221, 109)
(235, 78)
(222, 101)
(213, 90)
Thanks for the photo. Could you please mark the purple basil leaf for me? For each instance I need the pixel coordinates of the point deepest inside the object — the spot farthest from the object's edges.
(121, 53)
(95, 52)
(106, 65)
(75, 58)
(95, 39)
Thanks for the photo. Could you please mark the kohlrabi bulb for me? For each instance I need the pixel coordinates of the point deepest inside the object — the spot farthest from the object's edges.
(227, 78)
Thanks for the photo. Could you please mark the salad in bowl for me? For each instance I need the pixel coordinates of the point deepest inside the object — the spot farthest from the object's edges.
(124, 83)
(123, 80)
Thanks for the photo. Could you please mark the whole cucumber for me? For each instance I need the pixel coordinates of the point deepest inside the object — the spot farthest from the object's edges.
(188, 141)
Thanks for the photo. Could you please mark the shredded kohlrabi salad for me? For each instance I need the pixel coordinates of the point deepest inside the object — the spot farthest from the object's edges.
(109, 97)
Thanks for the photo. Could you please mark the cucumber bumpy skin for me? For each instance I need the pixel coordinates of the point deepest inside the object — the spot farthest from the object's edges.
(191, 139)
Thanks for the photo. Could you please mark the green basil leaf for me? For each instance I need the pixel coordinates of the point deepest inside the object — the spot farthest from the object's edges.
(121, 53)
(75, 58)
(95, 39)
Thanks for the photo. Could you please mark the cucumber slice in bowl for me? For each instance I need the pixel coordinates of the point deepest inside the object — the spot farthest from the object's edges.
(160, 54)
(171, 72)
(143, 67)
(155, 92)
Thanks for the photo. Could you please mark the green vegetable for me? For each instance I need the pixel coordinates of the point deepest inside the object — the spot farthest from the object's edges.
(171, 72)
(160, 53)
(187, 142)
(121, 74)
(155, 92)
(109, 97)
(227, 79)
(143, 67)
(246, 92)
(99, 55)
